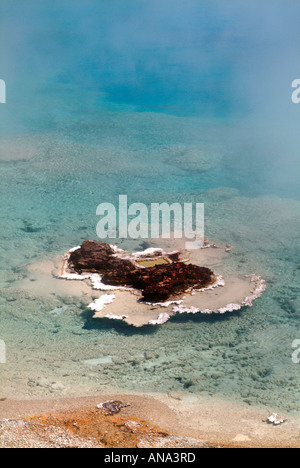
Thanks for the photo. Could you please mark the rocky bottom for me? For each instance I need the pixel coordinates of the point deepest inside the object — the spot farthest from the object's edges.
(88, 428)
(143, 421)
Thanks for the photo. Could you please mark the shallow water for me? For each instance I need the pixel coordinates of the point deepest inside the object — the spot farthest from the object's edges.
(92, 115)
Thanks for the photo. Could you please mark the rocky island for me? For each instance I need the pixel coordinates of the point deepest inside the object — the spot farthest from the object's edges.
(167, 279)
(135, 286)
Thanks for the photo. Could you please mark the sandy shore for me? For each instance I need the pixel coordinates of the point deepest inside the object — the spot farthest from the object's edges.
(150, 421)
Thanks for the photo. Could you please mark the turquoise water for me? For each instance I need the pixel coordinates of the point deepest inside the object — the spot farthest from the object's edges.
(162, 102)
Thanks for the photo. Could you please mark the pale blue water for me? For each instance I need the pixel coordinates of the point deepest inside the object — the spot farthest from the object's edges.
(162, 101)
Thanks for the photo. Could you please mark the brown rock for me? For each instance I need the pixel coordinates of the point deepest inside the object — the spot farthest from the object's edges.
(157, 283)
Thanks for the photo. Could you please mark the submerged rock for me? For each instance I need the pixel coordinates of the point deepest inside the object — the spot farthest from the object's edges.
(157, 283)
